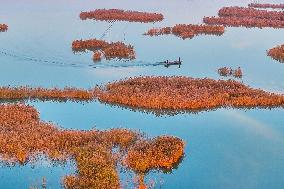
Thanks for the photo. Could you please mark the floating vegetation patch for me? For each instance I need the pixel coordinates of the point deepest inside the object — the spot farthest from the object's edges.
(184, 93)
(229, 72)
(91, 44)
(97, 56)
(28, 93)
(187, 31)
(267, 5)
(121, 15)
(160, 153)
(277, 53)
(3, 27)
(23, 136)
(250, 12)
(244, 22)
(159, 31)
(101, 48)
(247, 17)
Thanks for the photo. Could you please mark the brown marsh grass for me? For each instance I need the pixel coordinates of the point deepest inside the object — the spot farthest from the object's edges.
(121, 15)
(23, 136)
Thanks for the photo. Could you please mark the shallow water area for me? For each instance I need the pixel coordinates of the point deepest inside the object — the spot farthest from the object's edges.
(39, 174)
(225, 148)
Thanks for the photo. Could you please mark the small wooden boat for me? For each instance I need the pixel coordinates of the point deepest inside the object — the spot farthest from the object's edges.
(168, 63)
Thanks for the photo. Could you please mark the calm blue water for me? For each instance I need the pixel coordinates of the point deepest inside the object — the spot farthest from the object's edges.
(226, 148)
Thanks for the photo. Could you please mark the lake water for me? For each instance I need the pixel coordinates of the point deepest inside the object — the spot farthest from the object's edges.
(225, 148)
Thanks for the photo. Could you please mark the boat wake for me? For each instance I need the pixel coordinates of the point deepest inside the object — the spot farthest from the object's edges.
(79, 64)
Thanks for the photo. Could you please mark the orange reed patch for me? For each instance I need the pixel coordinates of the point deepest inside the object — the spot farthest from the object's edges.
(226, 72)
(3, 27)
(121, 15)
(250, 12)
(277, 53)
(109, 50)
(23, 93)
(187, 31)
(97, 56)
(273, 6)
(23, 136)
(183, 93)
(159, 93)
(159, 153)
(90, 44)
(247, 17)
(244, 22)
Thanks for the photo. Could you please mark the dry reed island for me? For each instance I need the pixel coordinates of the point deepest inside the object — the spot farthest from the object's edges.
(112, 50)
(101, 48)
(159, 93)
(230, 72)
(185, 31)
(277, 53)
(266, 5)
(184, 93)
(3, 27)
(23, 136)
(121, 15)
(246, 17)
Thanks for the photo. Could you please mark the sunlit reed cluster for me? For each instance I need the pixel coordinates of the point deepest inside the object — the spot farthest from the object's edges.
(159, 93)
(184, 93)
(3, 27)
(101, 48)
(247, 17)
(272, 6)
(244, 22)
(159, 31)
(28, 93)
(277, 53)
(23, 136)
(187, 31)
(160, 153)
(250, 12)
(121, 15)
(229, 72)
(97, 56)
(91, 44)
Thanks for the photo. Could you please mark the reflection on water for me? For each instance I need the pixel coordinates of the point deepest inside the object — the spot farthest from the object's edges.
(225, 148)
(35, 175)
(169, 112)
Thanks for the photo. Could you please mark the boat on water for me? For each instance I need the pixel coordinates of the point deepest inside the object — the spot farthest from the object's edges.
(168, 63)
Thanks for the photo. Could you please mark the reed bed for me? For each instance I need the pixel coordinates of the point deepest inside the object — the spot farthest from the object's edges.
(121, 15)
(277, 53)
(159, 31)
(250, 12)
(229, 72)
(187, 31)
(183, 93)
(97, 56)
(247, 17)
(24, 93)
(23, 136)
(139, 157)
(160, 93)
(110, 50)
(91, 44)
(3, 27)
(144, 156)
(267, 5)
(119, 50)
(243, 22)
